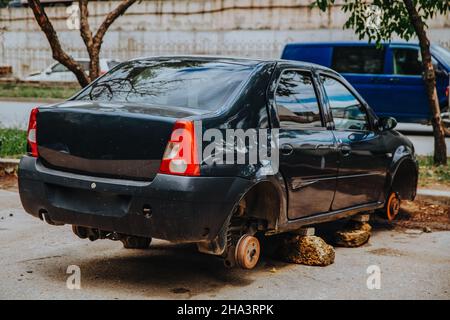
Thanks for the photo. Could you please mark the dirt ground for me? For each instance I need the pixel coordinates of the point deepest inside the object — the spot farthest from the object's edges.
(8, 182)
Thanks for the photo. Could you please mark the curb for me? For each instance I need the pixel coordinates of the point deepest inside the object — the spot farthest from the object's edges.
(9, 161)
(36, 101)
(434, 196)
(8, 166)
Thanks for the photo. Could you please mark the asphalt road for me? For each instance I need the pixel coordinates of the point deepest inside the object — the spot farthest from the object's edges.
(15, 114)
(35, 258)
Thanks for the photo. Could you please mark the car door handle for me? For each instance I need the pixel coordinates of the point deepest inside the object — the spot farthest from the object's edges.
(345, 149)
(324, 147)
(286, 149)
(394, 80)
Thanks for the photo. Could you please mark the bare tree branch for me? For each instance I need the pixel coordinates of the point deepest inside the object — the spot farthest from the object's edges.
(57, 52)
(86, 35)
(85, 30)
(94, 43)
(110, 18)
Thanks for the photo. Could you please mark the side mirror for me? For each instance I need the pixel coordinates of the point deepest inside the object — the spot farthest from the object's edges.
(387, 123)
(439, 71)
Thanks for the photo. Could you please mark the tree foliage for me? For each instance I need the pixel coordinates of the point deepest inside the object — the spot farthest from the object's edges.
(380, 20)
(392, 15)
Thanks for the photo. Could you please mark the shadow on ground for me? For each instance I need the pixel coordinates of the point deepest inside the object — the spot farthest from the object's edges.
(164, 270)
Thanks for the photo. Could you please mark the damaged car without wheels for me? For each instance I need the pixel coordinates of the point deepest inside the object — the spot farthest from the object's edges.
(162, 148)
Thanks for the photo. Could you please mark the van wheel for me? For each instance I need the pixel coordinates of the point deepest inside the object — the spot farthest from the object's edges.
(134, 242)
(247, 251)
(392, 207)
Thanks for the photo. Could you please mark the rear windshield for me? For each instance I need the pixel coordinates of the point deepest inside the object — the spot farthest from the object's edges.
(193, 84)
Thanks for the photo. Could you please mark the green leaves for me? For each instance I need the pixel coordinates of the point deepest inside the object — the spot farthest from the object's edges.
(380, 20)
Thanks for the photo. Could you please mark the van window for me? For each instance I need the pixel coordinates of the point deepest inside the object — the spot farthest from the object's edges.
(358, 59)
(407, 61)
(296, 101)
(347, 111)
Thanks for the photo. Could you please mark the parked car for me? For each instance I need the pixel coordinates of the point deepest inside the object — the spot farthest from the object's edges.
(59, 72)
(15, 4)
(123, 159)
(388, 78)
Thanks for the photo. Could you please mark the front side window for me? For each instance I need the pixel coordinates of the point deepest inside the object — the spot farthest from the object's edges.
(358, 59)
(296, 101)
(182, 83)
(347, 111)
(407, 61)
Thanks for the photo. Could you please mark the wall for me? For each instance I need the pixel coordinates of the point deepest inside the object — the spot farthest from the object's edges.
(255, 28)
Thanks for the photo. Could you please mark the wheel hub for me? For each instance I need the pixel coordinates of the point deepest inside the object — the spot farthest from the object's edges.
(393, 206)
(247, 252)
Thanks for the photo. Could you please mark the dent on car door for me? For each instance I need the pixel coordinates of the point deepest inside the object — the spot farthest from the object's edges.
(362, 155)
(308, 158)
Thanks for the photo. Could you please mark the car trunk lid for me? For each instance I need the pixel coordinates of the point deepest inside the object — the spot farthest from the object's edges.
(105, 139)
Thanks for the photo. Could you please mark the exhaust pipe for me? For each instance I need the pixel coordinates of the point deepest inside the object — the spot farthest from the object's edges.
(44, 216)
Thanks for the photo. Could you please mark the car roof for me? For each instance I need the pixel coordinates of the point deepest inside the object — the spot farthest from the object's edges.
(87, 59)
(350, 43)
(225, 59)
(239, 60)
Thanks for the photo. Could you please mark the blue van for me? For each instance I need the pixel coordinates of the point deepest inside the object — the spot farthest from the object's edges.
(389, 78)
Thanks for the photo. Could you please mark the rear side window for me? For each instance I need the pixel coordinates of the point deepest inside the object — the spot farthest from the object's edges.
(192, 84)
(407, 61)
(296, 101)
(347, 111)
(358, 59)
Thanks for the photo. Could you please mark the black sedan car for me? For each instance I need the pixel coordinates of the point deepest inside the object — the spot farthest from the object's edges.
(213, 151)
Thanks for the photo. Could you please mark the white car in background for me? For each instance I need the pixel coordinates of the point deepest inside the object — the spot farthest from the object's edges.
(58, 72)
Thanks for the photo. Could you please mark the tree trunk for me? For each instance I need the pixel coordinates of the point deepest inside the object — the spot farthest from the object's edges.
(440, 148)
(94, 67)
(57, 51)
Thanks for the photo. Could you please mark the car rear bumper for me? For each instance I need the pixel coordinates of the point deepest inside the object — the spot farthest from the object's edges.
(182, 209)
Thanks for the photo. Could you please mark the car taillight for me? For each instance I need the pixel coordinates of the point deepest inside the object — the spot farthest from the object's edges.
(446, 91)
(180, 156)
(32, 132)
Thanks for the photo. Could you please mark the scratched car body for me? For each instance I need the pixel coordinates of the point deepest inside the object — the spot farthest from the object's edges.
(108, 160)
